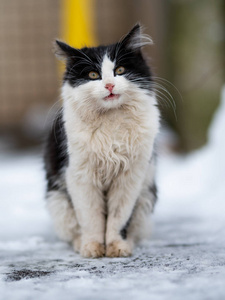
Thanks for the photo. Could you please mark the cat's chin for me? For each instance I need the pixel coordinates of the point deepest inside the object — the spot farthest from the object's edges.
(112, 97)
(112, 101)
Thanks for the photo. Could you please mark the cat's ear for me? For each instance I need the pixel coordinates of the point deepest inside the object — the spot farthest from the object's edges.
(63, 51)
(135, 39)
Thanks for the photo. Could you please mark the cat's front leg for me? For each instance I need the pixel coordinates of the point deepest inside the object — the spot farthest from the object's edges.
(122, 198)
(90, 211)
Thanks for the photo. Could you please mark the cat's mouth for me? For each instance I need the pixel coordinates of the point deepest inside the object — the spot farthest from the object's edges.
(112, 97)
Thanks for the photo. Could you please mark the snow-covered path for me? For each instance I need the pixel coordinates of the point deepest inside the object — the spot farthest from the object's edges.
(158, 270)
(185, 257)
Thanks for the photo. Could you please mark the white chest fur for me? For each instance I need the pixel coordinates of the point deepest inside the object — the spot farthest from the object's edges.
(103, 145)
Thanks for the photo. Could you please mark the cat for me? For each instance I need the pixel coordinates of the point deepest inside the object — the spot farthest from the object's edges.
(99, 156)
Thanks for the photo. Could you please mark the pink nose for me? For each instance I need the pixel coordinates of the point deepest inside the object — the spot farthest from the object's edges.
(109, 86)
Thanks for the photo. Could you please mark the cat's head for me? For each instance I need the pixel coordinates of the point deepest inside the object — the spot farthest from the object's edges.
(106, 77)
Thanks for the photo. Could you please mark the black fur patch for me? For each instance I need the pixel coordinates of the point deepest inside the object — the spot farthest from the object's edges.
(123, 231)
(56, 157)
(154, 191)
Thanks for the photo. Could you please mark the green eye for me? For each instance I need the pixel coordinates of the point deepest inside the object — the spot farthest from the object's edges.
(120, 70)
(93, 75)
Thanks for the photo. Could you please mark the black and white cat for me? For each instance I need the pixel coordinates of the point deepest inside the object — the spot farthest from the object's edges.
(99, 155)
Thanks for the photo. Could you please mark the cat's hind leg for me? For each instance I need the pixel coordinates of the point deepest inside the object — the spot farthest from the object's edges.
(64, 218)
(139, 225)
(135, 218)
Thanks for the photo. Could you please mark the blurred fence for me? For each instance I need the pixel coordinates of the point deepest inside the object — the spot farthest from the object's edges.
(28, 76)
(188, 52)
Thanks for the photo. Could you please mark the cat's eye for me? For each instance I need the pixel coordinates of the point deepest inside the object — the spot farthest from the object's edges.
(93, 75)
(120, 70)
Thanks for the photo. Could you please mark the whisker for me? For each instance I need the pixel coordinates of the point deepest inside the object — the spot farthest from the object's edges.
(50, 109)
(55, 121)
(167, 99)
(159, 86)
(161, 92)
(169, 83)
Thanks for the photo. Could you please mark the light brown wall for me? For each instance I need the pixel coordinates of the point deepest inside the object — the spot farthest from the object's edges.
(28, 72)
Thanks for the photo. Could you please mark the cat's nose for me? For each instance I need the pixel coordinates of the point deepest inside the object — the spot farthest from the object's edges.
(109, 86)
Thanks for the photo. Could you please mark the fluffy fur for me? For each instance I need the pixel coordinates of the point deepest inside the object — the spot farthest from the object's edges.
(99, 155)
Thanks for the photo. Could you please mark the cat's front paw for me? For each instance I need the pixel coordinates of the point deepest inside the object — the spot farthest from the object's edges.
(118, 249)
(92, 249)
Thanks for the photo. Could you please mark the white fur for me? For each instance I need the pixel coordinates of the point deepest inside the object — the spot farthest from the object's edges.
(140, 40)
(110, 143)
(63, 215)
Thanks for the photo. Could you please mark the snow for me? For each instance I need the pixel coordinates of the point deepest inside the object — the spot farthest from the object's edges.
(185, 257)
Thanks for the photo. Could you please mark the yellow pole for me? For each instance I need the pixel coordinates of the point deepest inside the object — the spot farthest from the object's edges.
(78, 23)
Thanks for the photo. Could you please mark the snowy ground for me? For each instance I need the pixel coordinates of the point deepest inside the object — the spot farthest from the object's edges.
(185, 257)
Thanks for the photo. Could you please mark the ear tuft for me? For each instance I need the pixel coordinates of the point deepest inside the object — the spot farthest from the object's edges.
(62, 50)
(135, 39)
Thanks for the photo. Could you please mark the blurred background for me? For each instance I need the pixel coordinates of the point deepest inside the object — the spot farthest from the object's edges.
(186, 252)
(187, 60)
